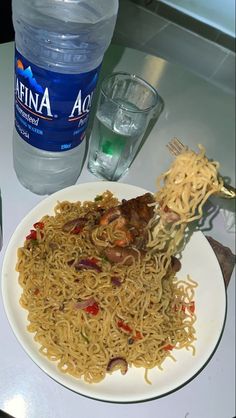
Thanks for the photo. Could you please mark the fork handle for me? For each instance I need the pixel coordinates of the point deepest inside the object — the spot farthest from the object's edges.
(227, 192)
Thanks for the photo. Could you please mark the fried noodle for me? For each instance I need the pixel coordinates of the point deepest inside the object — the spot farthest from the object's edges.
(136, 314)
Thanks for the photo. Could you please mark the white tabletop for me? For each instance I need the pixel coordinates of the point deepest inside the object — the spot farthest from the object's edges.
(196, 112)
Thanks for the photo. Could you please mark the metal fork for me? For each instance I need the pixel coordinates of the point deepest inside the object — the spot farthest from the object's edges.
(176, 147)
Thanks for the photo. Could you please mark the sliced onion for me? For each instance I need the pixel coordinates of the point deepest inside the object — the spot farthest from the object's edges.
(116, 281)
(82, 304)
(87, 264)
(53, 245)
(68, 226)
(118, 361)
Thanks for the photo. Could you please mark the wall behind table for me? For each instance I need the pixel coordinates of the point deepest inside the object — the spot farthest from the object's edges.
(160, 29)
(219, 14)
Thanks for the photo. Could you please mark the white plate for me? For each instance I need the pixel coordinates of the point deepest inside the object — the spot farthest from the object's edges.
(198, 260)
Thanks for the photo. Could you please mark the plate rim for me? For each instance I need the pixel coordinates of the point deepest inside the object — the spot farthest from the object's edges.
(28, 351)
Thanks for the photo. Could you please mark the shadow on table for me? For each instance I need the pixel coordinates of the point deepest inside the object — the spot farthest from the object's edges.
(210, 211)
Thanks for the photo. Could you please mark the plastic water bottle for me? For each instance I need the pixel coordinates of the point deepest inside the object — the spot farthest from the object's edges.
(60, 45)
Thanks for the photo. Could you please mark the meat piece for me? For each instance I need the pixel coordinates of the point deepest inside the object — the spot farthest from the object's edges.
(110, 215)
(123, 255)
(137, 211)
(132, 217)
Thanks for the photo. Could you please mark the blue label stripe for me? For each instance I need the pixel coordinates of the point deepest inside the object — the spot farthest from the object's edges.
(52, 109)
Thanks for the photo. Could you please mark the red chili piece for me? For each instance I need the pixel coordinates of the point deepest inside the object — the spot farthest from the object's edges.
(92, 309)
(124, 326)
(39, 225)
(138, 336)
(168, 347)
(32, 235)
(191, 307)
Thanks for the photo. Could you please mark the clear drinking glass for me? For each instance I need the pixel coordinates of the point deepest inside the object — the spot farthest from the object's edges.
(125, 107)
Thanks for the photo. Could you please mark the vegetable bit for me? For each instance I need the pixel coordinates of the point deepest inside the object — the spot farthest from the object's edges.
(98, 198)
(32, 235)
(92, 309)
(168, 347)
(182, 307)
(128, 330)
(89, 305)
(115, 280)
(33, 232)
(88, 263)
(118, 362)
(38, 225)
(84, 337)
(124, 327)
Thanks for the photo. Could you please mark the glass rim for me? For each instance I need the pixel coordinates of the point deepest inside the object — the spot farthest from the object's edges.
(134, 77)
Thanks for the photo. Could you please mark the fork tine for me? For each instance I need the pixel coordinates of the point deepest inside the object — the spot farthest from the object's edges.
(179, 146)
(172, 149)
(176, 147)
